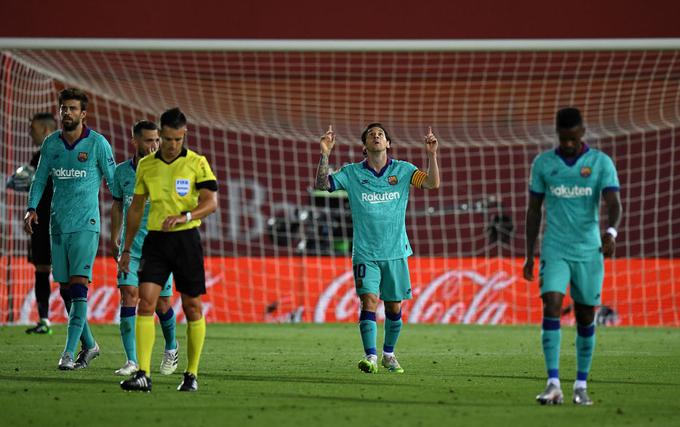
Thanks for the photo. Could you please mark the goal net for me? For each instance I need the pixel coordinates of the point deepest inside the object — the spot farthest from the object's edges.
(278, 252)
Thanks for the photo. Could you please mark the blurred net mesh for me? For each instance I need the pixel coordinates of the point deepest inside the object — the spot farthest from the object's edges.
(258, 116)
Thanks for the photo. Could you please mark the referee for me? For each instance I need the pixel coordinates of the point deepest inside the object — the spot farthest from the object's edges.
(182, 189)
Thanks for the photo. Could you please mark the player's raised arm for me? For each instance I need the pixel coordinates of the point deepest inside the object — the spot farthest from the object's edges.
(431, 144)
(327, 143)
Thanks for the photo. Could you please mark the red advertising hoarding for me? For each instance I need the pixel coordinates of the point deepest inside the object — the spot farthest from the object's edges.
(320, 289)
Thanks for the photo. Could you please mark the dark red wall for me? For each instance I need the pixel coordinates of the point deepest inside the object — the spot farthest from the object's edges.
(346, 19)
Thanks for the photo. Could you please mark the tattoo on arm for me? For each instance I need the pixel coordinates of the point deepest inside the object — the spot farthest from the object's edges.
(322, 174)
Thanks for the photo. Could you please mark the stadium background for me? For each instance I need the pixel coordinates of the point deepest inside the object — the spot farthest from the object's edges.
(267, 282)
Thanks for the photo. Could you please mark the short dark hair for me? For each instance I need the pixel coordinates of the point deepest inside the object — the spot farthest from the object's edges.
(370, 126)
(567, 118)
(46, 118)
(73, 93)
(173, 118)
(143, 125)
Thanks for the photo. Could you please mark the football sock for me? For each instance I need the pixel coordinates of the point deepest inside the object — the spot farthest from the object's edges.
(551, 337)
(167, 320)
(195, 339)
(146, 334)
(128, 319)
(393, 325)
(585, 344)
(86, 338)
(42, 293)
(66, 296)
(369, 331)
(77, 317)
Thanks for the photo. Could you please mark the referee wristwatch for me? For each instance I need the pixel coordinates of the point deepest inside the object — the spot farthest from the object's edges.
(187, 215)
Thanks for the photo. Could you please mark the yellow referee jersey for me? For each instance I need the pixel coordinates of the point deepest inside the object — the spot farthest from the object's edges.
(173, 187)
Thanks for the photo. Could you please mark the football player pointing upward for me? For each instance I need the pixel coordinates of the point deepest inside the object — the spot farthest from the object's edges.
(378, 190)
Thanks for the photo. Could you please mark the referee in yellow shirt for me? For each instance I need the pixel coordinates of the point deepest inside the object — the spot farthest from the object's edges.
(182, 189)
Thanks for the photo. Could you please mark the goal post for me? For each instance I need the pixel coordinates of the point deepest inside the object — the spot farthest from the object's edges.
(279, 252)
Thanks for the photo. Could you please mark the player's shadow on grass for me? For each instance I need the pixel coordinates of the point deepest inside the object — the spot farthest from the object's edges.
(609, 381)
(61, 380)
(298, 379)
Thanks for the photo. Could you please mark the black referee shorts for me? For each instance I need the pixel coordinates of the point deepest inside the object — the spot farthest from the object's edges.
(176, 252)
(39, 251)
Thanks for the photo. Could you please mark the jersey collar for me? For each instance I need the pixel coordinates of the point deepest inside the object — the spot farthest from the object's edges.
(182, 153)
(572, 162)
(132, 164)
(84, 134)
(382, 171)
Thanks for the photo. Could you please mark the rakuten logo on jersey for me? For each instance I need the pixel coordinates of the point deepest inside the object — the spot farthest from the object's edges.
(62, 173)
(379, 197)
(571, 192)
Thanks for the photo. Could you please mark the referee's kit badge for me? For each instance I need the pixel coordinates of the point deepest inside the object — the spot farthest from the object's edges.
(182, 186)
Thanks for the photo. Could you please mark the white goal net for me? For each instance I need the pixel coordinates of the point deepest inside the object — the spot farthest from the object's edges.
(278, 252)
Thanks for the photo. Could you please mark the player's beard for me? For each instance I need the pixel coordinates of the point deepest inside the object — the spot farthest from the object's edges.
(70, 125)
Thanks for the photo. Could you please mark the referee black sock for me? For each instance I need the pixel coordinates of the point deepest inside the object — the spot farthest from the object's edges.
(42, 293)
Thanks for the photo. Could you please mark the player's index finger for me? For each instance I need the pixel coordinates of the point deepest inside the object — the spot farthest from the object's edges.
(429, 130)
(330, 128)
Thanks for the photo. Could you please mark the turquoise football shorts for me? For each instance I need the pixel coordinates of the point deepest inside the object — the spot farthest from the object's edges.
(390, 280)
(73, 254)
(585, 278)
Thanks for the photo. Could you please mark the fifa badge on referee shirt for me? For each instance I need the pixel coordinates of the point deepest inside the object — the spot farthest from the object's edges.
(182, 186)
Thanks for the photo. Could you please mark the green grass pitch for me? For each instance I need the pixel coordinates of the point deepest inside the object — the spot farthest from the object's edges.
(306, 375)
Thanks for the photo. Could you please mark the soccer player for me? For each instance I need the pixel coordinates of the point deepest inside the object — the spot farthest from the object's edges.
(42, 124)
(76, 158)
(145, 140)
(183, 190)
(378, 190)
(570, 179)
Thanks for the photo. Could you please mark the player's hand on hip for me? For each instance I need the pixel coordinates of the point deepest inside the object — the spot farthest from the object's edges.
(431, 142)
(608, 245)
(124, 262)
(328, 140)
(30, 218)
(528, 270)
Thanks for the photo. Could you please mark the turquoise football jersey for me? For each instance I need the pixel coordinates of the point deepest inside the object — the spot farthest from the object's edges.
(378, 203)
(76, 173)
(123, 190)
(572, 201)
